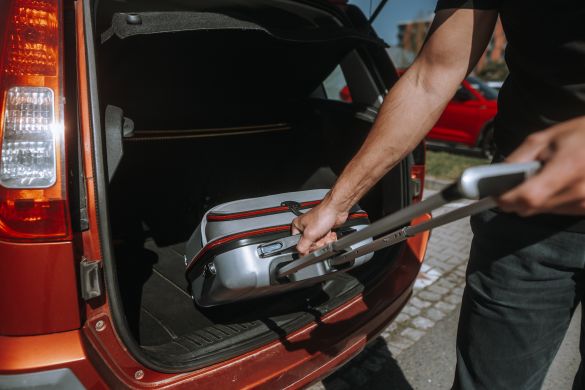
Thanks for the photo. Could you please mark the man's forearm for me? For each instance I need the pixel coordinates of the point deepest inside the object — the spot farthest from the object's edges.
(409, 111)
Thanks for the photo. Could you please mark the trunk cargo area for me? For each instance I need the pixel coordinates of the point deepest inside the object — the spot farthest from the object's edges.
(158, 196)
(222, 114)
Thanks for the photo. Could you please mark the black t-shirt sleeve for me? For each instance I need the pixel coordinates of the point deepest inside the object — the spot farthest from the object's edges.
(469, 4)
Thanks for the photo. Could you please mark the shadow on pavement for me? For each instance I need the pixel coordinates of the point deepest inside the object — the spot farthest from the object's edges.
(374, 368)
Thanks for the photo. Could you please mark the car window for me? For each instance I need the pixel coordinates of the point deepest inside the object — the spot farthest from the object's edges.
(335, 86)
(481, 87)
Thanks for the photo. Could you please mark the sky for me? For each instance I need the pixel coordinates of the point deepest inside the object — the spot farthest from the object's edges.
(394, 12)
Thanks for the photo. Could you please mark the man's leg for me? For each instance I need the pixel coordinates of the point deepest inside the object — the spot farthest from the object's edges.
(524, 280)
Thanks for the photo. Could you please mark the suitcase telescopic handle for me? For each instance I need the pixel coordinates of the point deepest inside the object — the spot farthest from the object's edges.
(480, 182)
(490, 180)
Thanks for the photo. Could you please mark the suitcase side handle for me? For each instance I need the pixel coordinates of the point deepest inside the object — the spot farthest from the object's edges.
(278, 246)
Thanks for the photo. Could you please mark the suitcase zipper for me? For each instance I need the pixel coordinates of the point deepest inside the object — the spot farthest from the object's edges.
(284, 207)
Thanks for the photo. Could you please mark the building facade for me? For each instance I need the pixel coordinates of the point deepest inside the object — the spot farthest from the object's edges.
(411, 37)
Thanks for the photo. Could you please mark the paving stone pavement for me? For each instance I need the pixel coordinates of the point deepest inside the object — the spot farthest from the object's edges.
(437, 293)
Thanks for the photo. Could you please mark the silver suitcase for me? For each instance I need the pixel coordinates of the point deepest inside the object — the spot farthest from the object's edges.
(238, 248)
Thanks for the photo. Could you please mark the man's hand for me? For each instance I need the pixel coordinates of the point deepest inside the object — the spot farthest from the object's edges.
(316, 225)
(560, 186)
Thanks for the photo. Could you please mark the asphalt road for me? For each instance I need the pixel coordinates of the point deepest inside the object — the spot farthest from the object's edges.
(429, 364)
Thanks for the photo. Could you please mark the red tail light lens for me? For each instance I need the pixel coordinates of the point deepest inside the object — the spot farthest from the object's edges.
(33, 201)
(417, 180)
(33, 219)
(417, 172)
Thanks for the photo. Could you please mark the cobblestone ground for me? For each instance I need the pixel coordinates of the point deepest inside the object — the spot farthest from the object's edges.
(437, 293)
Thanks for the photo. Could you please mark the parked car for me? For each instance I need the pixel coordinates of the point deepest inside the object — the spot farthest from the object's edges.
(467, 119)
(122, 123)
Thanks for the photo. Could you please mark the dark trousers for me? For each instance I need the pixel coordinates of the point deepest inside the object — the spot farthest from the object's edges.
(524, 281)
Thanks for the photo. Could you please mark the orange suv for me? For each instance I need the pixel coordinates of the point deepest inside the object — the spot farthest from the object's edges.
(121, 124)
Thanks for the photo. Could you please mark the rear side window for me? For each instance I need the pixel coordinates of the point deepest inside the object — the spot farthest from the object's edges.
(336, 87)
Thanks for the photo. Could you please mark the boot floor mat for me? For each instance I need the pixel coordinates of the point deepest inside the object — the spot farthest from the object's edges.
(162, 314)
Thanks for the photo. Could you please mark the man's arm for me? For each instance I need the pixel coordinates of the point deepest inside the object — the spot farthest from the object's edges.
(455, 42)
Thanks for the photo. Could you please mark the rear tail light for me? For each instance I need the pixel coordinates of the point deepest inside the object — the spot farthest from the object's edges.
(417, 172)
(417, 180)
(33, 201)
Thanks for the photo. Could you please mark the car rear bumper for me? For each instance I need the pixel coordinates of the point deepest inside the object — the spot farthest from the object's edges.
(56, 358)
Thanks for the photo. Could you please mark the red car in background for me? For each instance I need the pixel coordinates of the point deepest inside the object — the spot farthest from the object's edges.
(467, 119)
